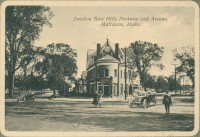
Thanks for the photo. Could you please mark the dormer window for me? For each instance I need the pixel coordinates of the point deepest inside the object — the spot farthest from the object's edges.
(106, 72)
(107, 49)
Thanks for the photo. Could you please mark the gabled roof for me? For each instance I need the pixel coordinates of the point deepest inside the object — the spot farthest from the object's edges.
(121, 52)
(108, 43)
(91, 52)
(129, 53)
(84, 74)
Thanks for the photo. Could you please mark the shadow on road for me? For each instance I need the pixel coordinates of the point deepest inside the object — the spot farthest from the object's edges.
(145, 121)
(187, 100)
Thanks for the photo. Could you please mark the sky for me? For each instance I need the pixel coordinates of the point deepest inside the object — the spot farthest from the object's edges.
(175, 32)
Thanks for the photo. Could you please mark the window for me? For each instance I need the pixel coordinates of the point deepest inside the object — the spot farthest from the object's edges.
(89, 75)
(98, 73)
(106, 73)
(134, 75)
(93, 74)
(101, 72)
(121, 73)
(129, 72)
(115, 72)
(121, 89)
(125, 76)
(114, 89)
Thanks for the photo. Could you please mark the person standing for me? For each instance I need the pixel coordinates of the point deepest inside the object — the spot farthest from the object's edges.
(167, 101)
(95, 99)
(125, 93)
(100, 98)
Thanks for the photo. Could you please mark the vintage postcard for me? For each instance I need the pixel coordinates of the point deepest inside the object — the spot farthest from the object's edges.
(99, 68)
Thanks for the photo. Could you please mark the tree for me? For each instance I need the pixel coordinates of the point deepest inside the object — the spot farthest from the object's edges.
(171, 82)
(26, 70)
(161, 84)
(23, 25)
(150, 81)
(59, 65)
(187, 62)
(145, 55)
(26, 77)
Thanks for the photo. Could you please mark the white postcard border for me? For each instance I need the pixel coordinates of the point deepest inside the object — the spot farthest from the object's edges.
(100, 3)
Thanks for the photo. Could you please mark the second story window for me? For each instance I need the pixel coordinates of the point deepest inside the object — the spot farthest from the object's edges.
(106, 73)
(93, 74)
(101, 73)
(115, 72)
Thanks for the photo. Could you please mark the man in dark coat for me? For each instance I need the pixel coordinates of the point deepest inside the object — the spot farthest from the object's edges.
(95, 99)
(167, 101)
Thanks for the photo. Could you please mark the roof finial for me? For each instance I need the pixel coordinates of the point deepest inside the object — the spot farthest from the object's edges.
(107, 39)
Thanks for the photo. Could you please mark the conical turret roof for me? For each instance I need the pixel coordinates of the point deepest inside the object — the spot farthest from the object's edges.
(107, 58)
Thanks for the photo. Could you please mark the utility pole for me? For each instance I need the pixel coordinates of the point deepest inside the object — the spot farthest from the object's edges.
(96, 72)
(183, 83)
(175, 77)
(125, 92)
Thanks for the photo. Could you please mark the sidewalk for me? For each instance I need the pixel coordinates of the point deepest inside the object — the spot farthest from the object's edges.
(61, 98)
(88, 99)
(45, 97)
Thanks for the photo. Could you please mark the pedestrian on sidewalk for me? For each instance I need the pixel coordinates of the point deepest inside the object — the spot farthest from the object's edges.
(100, 97)
(95, 99)
(125, 93)
(167, 101)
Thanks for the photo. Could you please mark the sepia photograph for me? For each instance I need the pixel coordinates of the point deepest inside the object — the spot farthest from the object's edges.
(99, 68)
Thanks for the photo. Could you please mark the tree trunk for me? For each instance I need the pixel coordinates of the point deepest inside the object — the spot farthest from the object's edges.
(142, 80)
(25, 80)
(11, 85)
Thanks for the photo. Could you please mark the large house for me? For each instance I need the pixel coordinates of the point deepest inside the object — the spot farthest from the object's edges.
(106, 70)
(81, 83)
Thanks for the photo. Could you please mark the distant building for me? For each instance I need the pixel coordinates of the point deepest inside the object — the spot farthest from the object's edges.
(106, 70)
(81, 84)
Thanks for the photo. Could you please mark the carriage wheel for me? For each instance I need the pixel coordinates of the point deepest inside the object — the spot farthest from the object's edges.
(144, 104)
(25, 100)
(130, 103)
(32, 100)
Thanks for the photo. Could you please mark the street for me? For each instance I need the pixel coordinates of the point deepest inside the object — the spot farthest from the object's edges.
(71, 114)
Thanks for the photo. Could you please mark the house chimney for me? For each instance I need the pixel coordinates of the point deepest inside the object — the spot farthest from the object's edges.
(117, 50)
(98, 50)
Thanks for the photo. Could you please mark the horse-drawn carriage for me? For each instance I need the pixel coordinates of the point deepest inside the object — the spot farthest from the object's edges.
(142, 98)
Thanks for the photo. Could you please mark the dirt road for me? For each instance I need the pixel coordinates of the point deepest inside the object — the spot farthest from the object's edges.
(66, 114)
